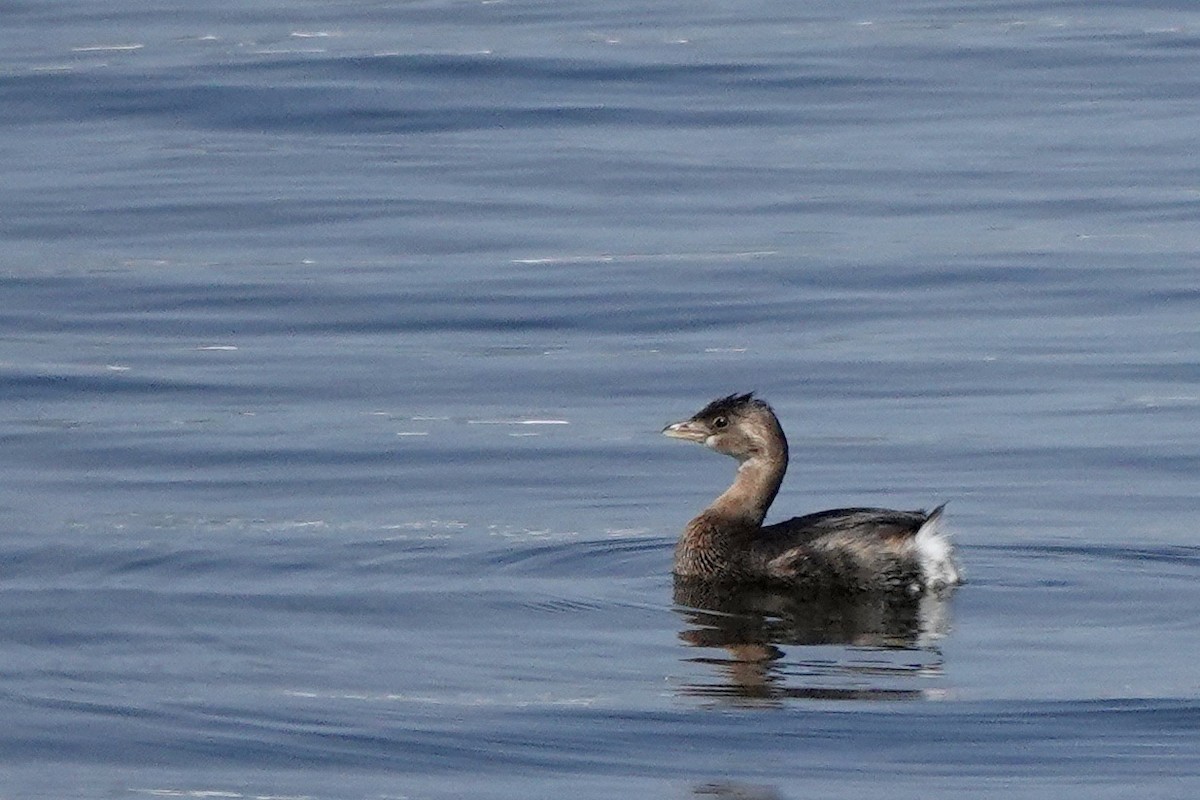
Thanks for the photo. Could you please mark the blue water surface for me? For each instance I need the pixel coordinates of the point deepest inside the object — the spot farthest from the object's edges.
(336, 339)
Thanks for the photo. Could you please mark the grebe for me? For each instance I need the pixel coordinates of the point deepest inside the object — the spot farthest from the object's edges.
(843, 550)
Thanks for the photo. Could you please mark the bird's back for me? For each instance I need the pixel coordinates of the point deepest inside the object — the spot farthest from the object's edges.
(859, 549)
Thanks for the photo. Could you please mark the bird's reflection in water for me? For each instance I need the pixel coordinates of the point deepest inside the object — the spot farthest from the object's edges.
(737, 791)
(768, 647)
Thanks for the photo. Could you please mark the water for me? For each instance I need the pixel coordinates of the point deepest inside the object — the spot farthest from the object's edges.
(336, 339)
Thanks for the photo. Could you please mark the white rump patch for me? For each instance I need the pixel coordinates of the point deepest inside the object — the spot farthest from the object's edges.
(936, 554)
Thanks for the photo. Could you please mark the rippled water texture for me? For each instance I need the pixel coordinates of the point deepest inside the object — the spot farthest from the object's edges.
(336, 339)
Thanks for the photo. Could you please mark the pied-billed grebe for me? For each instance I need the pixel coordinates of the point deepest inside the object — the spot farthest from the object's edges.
(842, 550)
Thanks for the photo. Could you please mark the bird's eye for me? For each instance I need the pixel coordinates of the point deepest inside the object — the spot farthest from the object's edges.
(720, 422)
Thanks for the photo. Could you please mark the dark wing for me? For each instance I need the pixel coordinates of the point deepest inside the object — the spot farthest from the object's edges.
(847, 547)
(885, 523)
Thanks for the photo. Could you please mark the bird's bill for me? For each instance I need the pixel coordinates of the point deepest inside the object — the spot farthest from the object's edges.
(688, 430)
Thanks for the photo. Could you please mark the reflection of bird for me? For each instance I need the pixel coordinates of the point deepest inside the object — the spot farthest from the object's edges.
(759, 629)
(739, 616)
(737, 791)
(829, 552)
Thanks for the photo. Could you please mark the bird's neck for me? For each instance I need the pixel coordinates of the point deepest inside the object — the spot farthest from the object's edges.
(754, 488)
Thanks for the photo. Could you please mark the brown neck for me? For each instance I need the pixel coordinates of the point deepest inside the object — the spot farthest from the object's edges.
(757, 482)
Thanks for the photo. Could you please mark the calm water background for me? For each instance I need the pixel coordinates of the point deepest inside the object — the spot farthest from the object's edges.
(336, 338)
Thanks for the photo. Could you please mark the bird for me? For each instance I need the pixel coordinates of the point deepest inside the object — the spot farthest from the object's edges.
(839, 551)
